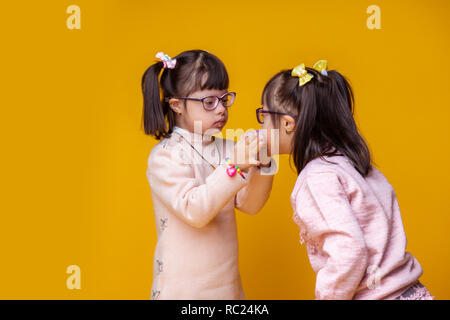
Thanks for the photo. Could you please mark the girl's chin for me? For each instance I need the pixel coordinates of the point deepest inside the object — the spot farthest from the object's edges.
(214, 130)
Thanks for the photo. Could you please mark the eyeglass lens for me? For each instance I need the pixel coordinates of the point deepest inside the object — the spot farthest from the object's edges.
(211, 102)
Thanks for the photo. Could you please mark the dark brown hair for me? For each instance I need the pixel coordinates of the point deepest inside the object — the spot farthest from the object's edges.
(325, 125)
(195, 70)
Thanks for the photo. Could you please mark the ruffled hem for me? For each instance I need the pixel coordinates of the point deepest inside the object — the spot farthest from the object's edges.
(416, 292)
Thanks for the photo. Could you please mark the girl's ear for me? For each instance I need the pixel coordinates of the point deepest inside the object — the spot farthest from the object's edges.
(176, 105)
(288, 123)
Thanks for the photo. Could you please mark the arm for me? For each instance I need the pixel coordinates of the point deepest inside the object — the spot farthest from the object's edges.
(171, 180)
(254, 195)
(324, 208)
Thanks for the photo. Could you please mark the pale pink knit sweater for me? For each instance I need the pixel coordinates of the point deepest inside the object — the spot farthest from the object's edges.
(353, 232)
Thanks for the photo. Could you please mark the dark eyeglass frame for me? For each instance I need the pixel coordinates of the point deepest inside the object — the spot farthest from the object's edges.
(261, 110)
(203, 99)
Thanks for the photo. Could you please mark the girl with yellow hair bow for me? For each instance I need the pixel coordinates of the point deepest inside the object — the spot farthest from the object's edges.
(346, 209)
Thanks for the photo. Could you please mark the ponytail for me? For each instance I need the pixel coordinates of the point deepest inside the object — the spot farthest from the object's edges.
(352, 142)
(155, 108)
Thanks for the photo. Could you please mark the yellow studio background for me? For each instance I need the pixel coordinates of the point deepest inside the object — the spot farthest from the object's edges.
(74, 156)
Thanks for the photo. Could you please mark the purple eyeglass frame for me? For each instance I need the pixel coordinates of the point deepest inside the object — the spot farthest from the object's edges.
(202, 99)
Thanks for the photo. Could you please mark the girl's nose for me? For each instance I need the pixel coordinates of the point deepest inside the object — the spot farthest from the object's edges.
(220, 109)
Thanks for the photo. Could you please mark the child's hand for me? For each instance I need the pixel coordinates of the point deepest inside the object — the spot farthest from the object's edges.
(246, 151)
(264, 153)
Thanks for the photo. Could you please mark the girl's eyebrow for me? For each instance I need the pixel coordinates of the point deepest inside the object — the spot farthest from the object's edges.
(213, 95)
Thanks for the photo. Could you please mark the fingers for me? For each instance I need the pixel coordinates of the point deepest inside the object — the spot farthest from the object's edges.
(251, 137)
(248, 148)
(253, 143)
(256, 144)
(253, 149)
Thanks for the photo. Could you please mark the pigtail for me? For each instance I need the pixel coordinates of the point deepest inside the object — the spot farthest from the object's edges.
(153, 112)
(341, 86)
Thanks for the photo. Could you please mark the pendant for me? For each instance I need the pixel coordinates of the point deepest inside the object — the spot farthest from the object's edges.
(231, 171)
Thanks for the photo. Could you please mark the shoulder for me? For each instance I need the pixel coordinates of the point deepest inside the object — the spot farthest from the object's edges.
(324, 166)
(327, 172)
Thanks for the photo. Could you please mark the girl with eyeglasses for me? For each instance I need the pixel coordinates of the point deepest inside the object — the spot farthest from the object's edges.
(197, 179)
(347, 211)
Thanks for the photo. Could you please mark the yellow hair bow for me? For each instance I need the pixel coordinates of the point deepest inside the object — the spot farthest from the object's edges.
(304, 76)
(321, 66)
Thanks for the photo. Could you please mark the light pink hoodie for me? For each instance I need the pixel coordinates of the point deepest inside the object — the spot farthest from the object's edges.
(196, 256)
(353, 232)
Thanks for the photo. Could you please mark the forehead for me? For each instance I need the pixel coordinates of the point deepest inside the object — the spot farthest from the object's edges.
(210, 92)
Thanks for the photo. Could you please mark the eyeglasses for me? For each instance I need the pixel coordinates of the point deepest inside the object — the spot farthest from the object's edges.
(260, 114)
(211, 102)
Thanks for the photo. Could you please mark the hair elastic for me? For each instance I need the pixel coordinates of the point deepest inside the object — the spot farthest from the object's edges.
(168, 62)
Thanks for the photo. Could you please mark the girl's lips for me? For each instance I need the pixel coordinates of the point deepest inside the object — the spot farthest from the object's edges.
(220, 123)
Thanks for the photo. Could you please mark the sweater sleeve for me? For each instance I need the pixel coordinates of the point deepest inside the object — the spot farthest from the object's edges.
(171, 179)
(254, 195)
(324, 208)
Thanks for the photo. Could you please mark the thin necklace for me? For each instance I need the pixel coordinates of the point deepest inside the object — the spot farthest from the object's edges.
(217, 148)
